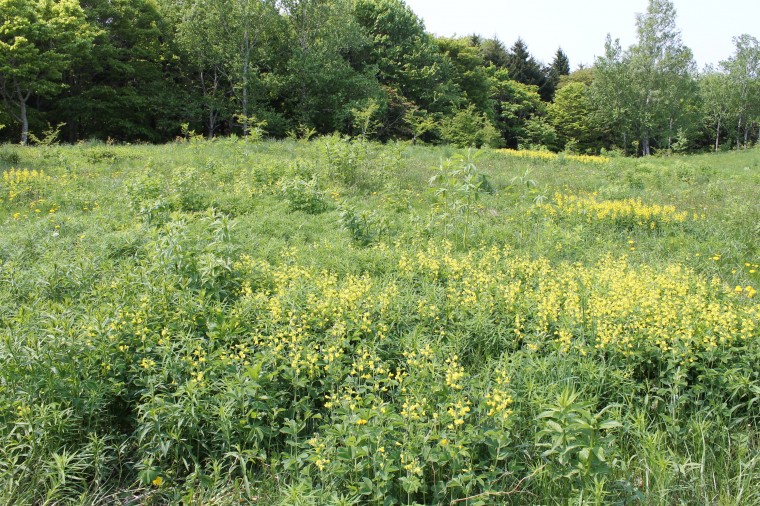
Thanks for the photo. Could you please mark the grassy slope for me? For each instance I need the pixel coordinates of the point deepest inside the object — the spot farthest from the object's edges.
(154, 349)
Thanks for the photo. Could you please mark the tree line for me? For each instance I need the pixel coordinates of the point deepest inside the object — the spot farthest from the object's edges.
(152, 70)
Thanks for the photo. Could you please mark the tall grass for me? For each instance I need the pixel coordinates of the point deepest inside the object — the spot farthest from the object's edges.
(341, 322)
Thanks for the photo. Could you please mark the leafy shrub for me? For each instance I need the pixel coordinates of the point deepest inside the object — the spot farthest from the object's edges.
(304, 195)
(576, 440)
(365, 227)
(538, 133)
(189, 189)
(457, 185)
(10, 156)
(147, 196)
(102, 155)
(470, 128)
(344, 157)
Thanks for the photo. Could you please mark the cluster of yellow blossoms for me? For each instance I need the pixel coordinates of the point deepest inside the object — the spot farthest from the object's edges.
(627, 211)
(549, 156)
(611, 305)
(23, 183)
(499, 399)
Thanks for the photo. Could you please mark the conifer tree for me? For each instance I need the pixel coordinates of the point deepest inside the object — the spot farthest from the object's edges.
(523, 68)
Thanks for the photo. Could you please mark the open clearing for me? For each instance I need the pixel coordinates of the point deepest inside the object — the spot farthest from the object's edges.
(341, 322)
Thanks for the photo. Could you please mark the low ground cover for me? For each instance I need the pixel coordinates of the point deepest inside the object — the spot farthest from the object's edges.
(340, 322)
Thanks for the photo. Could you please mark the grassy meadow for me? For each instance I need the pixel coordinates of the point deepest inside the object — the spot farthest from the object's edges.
(343, 322)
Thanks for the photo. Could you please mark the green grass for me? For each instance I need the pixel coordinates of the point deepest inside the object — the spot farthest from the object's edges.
(318, 323)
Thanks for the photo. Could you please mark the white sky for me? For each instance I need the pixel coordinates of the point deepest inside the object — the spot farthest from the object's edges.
(580, 27)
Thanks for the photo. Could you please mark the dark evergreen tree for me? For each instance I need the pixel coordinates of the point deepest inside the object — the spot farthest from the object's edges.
(560, 67)
(494, 53)
(561, 64)
(523, 68)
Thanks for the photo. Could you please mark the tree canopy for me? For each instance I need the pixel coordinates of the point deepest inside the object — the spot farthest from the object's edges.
(149, 70)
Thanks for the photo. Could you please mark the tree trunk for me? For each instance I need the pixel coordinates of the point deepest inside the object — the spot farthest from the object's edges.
(717, 136)
(209, 92)
(645, 151)
(246, 63)
(211, 122)
(738, 134)
(24, 123)
(22, 114)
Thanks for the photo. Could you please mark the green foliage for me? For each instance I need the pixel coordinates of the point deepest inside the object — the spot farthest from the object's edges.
(468, 128)
(538, 134)
(38, 42)
(516, 103)
(611, 95)
(188, 192)
(571, 116)
(407, 59)
(345, 159)
(420, 123)
(523, 68)
(576, 440)
(468, 72)
(9, 156)
(304, 195)
(713, 89)
(326, 79)
(127, 71)
(457, 185)
(49, 136)
(254, 127)
(355, 353)
(645, 91)
(127, 86)
(364, 118)
(365, 227)
(744, 87)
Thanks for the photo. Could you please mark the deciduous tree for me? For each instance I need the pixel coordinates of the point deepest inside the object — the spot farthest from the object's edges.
(715, 93)
(612, 95)
(514, 104)
(407, 60)
(38, 41)
(661, 69)
(571, 115)
(744, 78)
(325, 76)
